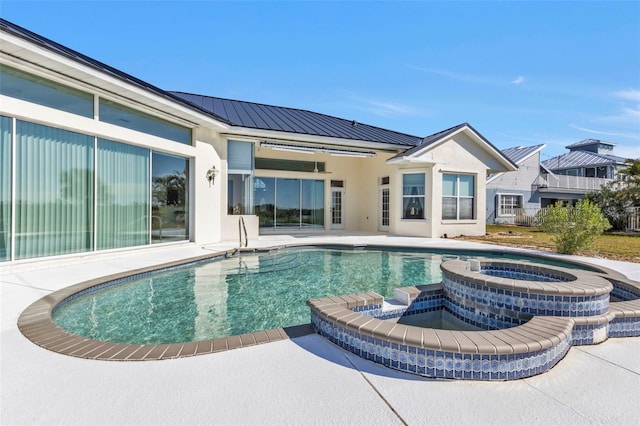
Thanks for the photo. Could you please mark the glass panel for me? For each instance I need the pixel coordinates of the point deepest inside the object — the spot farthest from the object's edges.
(288, 202)
(449, 208)
(264, 194)
(466, 208)
(113, 113)
(413, 184)
(413, 196)
(385, 207)
(30, 88)
(413, 207)
(466, 186)
(240, 157)
(239, 194)
(54, 191)
(312, 203)
(169, 205)
(448, 185)
(5, 188)
(123, 195)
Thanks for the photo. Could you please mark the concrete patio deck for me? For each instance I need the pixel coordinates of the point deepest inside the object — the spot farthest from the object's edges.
(305, 380)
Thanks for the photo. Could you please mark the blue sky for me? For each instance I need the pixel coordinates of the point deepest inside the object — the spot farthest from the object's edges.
(522, 73)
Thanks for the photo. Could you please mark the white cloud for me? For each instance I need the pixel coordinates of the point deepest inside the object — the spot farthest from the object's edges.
(628, 95)
(382, 107)
(604, 132)
(518, 80)
(454, 75)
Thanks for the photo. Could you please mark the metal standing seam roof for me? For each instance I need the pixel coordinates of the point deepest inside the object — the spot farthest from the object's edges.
(283, 119)
(581, 159)
(519, 154)
(587, 142)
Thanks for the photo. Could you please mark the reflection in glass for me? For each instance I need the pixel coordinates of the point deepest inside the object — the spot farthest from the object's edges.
(169, 204)
(287, 202)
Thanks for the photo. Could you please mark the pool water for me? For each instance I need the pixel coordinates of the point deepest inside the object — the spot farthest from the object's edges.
(241, 294)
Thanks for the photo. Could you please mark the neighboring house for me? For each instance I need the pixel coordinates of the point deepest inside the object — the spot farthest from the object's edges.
(587, 166)
(93, 159)
(509, 193)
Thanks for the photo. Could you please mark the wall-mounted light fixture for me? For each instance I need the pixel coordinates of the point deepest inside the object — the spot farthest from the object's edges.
(211, 175)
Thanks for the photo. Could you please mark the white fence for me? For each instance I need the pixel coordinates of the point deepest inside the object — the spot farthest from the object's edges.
(570, 182)
(535, 217)
(633, 220)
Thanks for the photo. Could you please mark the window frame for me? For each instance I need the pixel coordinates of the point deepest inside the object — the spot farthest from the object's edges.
(423, 196)
(458, 197)
(501, 208)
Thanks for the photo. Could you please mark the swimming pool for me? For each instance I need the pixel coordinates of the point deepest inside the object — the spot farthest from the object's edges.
(245, 293)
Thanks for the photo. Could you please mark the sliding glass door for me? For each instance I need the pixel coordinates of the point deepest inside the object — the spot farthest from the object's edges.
(287, 203)
(54, 191)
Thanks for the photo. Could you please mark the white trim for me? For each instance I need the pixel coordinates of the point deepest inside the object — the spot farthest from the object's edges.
(14, 156)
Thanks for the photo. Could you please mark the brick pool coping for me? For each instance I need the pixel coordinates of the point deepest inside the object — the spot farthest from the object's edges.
(37, 325)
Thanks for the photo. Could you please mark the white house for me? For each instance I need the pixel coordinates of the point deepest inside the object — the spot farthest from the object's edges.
(93, 159)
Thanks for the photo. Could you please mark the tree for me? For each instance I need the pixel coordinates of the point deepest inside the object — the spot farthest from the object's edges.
(576, 227)
(615, 198)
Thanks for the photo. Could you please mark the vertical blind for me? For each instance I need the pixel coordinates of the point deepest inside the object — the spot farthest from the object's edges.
(123, 195)
(5, 188)
(54, 191)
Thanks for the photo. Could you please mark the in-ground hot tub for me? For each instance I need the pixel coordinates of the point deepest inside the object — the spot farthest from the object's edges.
(530, 316)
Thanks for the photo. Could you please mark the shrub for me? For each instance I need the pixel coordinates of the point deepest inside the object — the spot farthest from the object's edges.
(574, 228)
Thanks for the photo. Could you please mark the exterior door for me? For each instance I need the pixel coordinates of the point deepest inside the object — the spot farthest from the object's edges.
(337, 208)
(384, 209)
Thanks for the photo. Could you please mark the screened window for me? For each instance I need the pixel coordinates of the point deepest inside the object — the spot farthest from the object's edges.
(30, 88)
(458, 197)
(119, 115)
(413, 196)
(240, 177)
(508, 204)
(123, 195)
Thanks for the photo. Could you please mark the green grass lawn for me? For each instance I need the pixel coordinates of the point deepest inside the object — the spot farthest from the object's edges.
(610, 246)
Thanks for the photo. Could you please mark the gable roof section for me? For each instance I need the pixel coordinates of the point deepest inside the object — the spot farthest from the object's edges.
(575, 159)
(282, 119)
(436, 139)
(517, 155)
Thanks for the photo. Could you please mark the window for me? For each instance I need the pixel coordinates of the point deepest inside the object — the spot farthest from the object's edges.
(30, 88)
(170, 203)
(54, 191)
(123, 195)
(113, 113)
(413, 196)
(508, 203)
(458, 197)
(240, 177)
(6, 127)
(289, 203)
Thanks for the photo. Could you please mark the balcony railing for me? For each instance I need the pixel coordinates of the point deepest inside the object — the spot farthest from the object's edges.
(579, 183)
